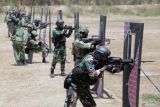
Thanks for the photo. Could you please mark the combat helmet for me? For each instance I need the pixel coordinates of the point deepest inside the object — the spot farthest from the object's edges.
(101, 53)
(83, 31)
(34, 33)
(60, 23)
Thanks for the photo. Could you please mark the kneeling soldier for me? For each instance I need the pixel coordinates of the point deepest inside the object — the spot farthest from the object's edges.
(34, 46)
(86, 73)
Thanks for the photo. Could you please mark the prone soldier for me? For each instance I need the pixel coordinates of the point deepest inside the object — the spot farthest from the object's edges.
(59, 35)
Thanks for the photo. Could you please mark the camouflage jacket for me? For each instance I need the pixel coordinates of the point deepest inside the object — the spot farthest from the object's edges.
(59, 36)
(21, 36)
(80, 49)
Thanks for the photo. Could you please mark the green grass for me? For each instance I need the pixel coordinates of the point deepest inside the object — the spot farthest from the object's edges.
(151, 99)
(118, 10)
(68, 14)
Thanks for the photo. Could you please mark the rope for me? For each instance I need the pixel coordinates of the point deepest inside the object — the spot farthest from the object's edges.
(150, 80)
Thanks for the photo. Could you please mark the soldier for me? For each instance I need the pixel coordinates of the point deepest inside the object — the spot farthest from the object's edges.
(34, 46)
(22, 21)
(19, 41)
(86, 73)
(81, 48)
(59, 41)
(14, 20)
(10, 23)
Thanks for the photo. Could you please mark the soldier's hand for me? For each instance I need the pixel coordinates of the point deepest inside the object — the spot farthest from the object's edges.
(103, 69)
(64, 32)
(95, 43)
(40, 43)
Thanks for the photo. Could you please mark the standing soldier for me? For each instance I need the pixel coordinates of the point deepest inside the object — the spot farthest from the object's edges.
(86, 73)
(81, 48)
(59, 40)
(7, 20)
(22, 21)
(35, 46)
(19, 41)
(10, 23)
(14, 21)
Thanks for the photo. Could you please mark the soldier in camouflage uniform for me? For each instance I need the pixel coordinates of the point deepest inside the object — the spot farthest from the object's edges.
(7, 20)
(81, 48)
(34, 46)
(10, 23)
(22, 21)
(59, 41)
(14, 21)
(86, 73)
(19, 42)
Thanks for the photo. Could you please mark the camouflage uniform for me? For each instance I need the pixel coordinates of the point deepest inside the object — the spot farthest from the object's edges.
(80, 48)
(15, 21)
(19, 41)
(59, 39)
(83, 75)
(10, 23)
(22, 21)
(34, 46)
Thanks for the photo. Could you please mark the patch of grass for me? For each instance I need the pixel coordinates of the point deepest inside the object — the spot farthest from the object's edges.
(118, 10)
(152, 12)
(68, 14)
(151, 99)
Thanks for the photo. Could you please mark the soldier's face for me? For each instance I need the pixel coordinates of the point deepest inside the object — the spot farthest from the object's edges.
(61, 25)
(29, 29)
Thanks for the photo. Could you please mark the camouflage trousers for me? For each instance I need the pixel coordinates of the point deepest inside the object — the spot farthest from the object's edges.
(83, 94)
(36, 50)
(59, 55)
(11, 29)
(19, 53)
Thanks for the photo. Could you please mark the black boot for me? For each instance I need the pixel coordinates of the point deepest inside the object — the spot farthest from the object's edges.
(44, 60)
(23, 62)
(19, 63)
(63, 73)
(52, 73)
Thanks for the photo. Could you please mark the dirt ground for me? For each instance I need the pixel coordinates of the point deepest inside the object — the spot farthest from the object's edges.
(31, 86)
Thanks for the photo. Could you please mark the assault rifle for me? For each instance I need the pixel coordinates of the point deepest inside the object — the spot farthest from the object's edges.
(44, 25)
(116, 64)
(69, 27)
(96, 39)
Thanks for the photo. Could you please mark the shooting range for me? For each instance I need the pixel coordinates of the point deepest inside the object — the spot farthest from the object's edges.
(131, 34)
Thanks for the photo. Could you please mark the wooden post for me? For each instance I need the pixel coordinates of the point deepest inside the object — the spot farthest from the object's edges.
(50, 38)
(41, 22)
(76, 23)
(59, 14)
(46, 19)
(33, 14)
(99, 86)
(127, 68)
(131, 75)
